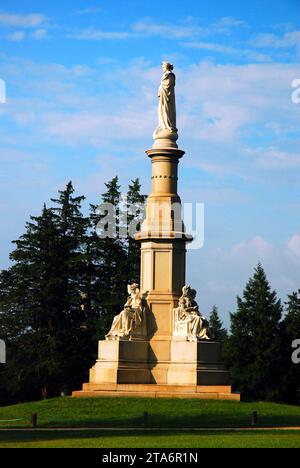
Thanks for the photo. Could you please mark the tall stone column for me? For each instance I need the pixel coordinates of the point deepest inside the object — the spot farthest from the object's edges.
(163, 254)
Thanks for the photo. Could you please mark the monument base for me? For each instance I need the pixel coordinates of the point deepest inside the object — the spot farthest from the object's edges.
(135, 368)
(157, 391)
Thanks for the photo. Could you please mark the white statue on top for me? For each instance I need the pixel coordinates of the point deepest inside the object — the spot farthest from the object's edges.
(167, 129)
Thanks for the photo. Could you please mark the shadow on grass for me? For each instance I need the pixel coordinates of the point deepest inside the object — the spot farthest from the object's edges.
(200, 420)
(38, 436)
(163, 413)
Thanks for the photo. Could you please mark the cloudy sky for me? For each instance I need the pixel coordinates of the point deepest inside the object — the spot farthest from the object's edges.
(81, 79)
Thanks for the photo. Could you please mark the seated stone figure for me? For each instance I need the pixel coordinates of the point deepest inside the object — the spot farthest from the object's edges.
(187, 313)
(132, 316)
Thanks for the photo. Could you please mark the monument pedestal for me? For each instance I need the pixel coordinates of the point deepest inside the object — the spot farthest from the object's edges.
(131, 368)
(121, 362)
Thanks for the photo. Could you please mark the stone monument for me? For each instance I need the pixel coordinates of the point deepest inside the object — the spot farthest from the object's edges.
(159, 345)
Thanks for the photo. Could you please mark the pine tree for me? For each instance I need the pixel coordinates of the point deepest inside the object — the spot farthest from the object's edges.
(60, 294)
(292, 318)
(253, 351)
(136, 201)
(291, 332)
(216, 330)
(108, 258)
(41, 315)
(78, 321)
(114, 255)
(28, 302)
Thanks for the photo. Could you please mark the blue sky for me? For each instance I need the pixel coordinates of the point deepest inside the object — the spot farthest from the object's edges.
(81, 81)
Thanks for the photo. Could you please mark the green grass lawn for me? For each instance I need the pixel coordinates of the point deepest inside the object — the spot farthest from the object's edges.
(98, 439)
(163, 413)
(128, 412)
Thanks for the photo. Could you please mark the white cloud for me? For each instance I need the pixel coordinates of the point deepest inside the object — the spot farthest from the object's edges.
(92, 34)
(228, 50)
(257, 248)
(16, 36)
(225, 269)
(26, 21)
(150, 28)
(187, 29)
(216, 103)
(220, 102)
(217, 106)
(225, 24)
(106, 60)
(273, 158)
(40, 33)
(293, 246)
(95, 127)
(211, 46)
(88, 11)
(288, 40)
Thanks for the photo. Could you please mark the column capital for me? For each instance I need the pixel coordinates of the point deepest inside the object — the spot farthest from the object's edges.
(173, 152)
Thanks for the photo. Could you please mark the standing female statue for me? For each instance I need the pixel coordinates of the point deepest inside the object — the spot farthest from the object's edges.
(167, 105)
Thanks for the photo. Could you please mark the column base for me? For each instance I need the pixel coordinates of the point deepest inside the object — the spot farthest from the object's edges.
(157, 391)
(157, 369)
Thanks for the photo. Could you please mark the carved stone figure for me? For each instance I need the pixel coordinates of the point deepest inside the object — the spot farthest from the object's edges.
(167, 105)
(188, 319)
(131, 317)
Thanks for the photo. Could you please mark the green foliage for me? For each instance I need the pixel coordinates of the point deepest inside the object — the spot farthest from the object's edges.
(41, 317)
(216, 330)
(60, 294)
(137, 200)
(253, 351)
(108, 258)
(291, 332)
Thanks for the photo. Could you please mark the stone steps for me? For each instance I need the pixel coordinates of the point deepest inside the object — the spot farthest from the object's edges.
(158, 394)
(157, 388)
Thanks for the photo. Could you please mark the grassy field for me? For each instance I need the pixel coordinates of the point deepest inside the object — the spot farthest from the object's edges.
(128, 412)
(98, 439)
(121, 413)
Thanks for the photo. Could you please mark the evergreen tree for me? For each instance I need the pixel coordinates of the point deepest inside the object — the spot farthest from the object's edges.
(108, 258)
(41, 316)
(291, 332)
(137, 201)
(59, 296)
(27, 306)
(253, 351)
(216, 330)
(114, 255)
(77, 330)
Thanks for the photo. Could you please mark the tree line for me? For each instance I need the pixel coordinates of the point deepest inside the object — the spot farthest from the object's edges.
(66, 283)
